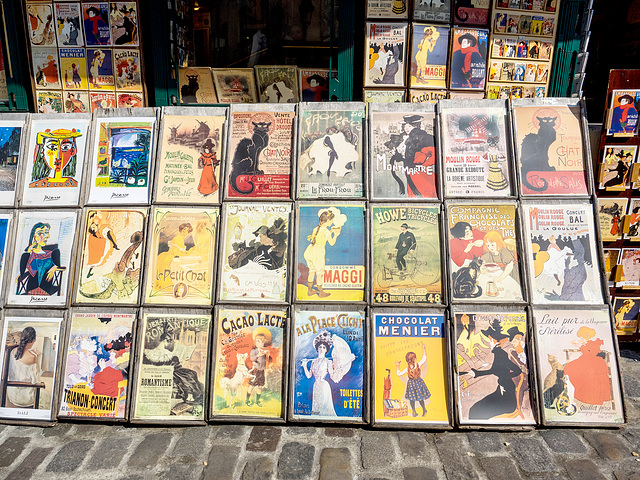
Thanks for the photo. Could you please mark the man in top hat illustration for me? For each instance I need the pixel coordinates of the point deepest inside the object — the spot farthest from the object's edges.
(463, 63)
(419, 157)
(317, 92)
(55, 161)
(625, 116)
(406, 242)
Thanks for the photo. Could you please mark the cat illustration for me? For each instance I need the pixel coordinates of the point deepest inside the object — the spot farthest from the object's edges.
(465, 281)
(245, 158)
(189, 91)
(462, 4)
(534, 152)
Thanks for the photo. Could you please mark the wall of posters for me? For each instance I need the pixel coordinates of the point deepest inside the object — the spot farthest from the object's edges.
(96, 365)
(102, 100)
(577, 368)
(11, 132)
(406, 254)
(429, 51)
(277, 84)
(30, 345)
(432, 11)
(410, 369)
(563, 261)
(328, 365)
(254, 254)
(483, 252)
(468, 58)
(130, 100)
(330, 253)
(235, 85)
(610, 213)
(181, 256)
(196, 86)
(260, 153)
(628, 273)
(171, 374)
(249, 365)
(386, 57)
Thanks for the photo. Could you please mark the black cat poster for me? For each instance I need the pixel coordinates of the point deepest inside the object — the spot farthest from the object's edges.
(196, 86)
(550, 150)
(483, 255)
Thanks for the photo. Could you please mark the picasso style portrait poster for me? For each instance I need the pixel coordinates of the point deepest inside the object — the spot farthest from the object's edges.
(562, 256)
(626, 311)
(42, 26)
(122, 153)
(171, 373)
(181, 256)
(549, 149)
(235, 85)
(492, 371)
(196, 86)
(623, 116)
(11, 138)
(327, 369)
(439, 11)
(248, 370)
(410, 383)
(55, 159)
(406, 254)
(615, 168)
(610, 213)
(190, 158)
(468, 58)
(277, 84)
(69, 25)
(475, 147)
(396, 9)
(96, 366)
(577, 368)
(484, 261)
(43, 258)
(386, 47)
(254, 253)
(403, 153)
(112, 256)
(330, 253)
(260, 152)
(429, 52)
(30, 346)
(331, 145)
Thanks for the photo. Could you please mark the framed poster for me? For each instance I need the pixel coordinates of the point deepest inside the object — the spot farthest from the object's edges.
(69, 25)
(330, 252)
(549, 148)
(100, 64)
(631, 223)
(54, 164)
(96, 24)
(314, 84)
(49, 101)
(425, 96)
(128, 70)
(628, 274)
(622, 118)
(6, 224)
(121, 157)
(374, 95)
(562, 254)
(260, 153)
(189, 161)
(403, 152)
(611, 258)
(43, 258)
(484, 253)
(577, 368)
(12, 138)
(196, 86)
(130, 100)
(99, 100)
(41, 25)
(181, 257)
(468, 58)
(476, 148)
(76, 102)
(410, 375)
(249, 371)
(254, 252)
(432, 11)
(626, 311)
(610, 213)
(235, 85)
(387, 9)
(123, 17)
(429, 52)
(111, 259)
(405, 254)
(277, 84)
(386, 47)
(171, 367)
(28, 361)
(471, 12)
(330, 143)
(46, 69)
(73, 68)
(96, 365)
(492, 372)
(615, 169)
(328, 375)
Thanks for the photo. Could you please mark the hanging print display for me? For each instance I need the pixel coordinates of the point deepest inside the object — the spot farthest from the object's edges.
(314, 84)
(626, 311)
(429, 51)
(386, 54)
(96, 23)
(49, 101)
(124, 23)
(41, 25)
(69, 25)
(76, 102)
(615, 168)
(277, 84)
(623, 117)
(127, 70)
(471, 12)
(235, 85)
(387, 9)
(100, 62)
(468, 58)
(46, 70)
(73, 68)
(196, 86)
(99, 100)
(610, 212)
(439, 11)
(11, 139)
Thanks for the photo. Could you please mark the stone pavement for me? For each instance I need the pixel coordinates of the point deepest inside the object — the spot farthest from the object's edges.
(87, 451)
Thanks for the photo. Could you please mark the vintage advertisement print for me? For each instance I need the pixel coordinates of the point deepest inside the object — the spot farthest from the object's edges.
(171, 378)
(429, 51)
(370, 95)
(484, 259)
(425, 96)
(328, 365)
(43, 258)
(403, 155)
(29, 357)
(550, 153)
(255, 252)
(631, 224)
(76, 102)
(260, 153)
(100, 63)
(5, 225)
(493, 369)
(314, 84)
(10, 141)
(623, 116)
(112, 256)
(42, 25)
(102, 100)
(248, 369)
(49, 101)
(46, 69)
(563, 261)
(330, 142)
(410, 379)
(124, 23)
(406, 254)
(73, 68)
(277, 84)
(611, 258)
(386, 54)
(628, 274)
(181, 256)
(468, 58)
(615, 169)
(471, 12)
(610, 212)
(97, 359)
(122, 154)
(189, 159)
(196, 86)
(96, 23)
(577, 367)
(55, 161)
(626, 311)
(69, 25)
(235, 85)
(387, 9)
(330, 250)
(127, 70)
(130, 100)
(439, 11)
(476, 158)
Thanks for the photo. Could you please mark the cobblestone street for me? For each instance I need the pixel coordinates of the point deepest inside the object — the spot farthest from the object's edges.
(247, 452)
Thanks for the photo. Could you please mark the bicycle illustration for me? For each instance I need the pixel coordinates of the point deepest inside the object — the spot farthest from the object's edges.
(423, 268)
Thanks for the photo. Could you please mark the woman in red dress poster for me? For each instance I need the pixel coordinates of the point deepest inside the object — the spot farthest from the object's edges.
(207, 162)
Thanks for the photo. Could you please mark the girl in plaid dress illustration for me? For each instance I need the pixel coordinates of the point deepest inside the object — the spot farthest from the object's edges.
(416, 390)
